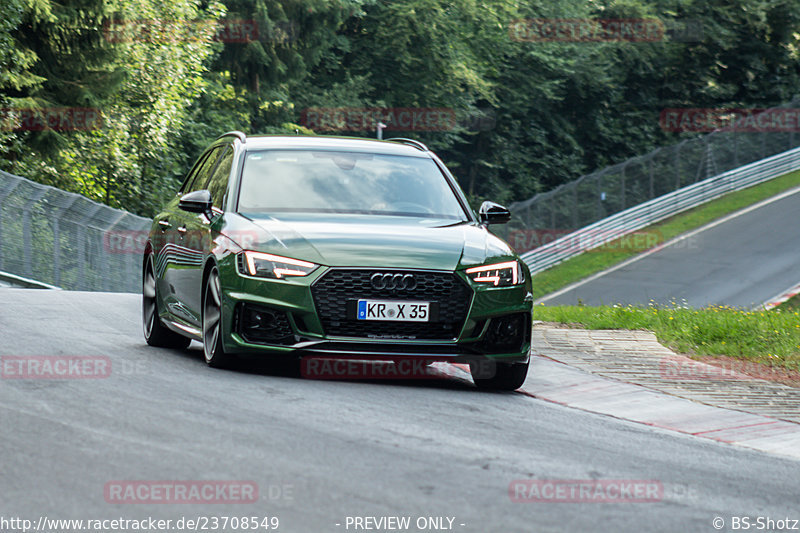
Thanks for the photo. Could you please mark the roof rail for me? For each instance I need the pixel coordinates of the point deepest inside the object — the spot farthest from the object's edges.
(412, 142)
(242, 137)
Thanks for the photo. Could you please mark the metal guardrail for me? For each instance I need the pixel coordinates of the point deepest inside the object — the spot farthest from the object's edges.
(66, 240)
(10, 280)
(611, 190)
(642, 215)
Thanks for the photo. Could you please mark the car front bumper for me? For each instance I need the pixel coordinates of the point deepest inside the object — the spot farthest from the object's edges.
(281, 317)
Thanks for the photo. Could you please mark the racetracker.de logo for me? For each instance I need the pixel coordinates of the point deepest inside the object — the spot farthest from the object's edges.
(175, 31)
(368, 118)
(125, 241)
(597, 241)
(585, 30)
(176, 492)
(55, 366)
(51, 118)
(320, 368)
(780, 120)
(585, 491)
(683, 369)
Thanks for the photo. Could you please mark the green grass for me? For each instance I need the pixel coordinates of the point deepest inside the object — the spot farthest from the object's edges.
(591, 262)
(770, 337)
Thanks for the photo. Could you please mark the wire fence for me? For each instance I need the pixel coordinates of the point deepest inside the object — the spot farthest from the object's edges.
(626, 223)
(549, 216)
(67, 240)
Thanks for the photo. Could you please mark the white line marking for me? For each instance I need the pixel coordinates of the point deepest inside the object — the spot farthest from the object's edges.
(779, 298)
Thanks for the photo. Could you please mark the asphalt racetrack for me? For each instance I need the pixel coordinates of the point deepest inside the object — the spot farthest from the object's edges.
(322, 451)
(742, 262)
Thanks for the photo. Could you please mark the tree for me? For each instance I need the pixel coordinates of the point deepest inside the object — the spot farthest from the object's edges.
(138, 65)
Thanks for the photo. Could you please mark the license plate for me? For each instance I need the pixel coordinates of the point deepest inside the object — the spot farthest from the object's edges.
(393, 310)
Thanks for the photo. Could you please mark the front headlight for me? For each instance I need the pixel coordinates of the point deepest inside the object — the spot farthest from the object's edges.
(498, 274)
(273, 266)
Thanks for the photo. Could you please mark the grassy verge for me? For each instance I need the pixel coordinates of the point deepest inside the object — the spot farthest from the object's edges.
(792, 304)
(769, 337)
(586, 264)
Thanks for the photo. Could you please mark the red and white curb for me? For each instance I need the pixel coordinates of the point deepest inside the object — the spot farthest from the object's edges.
(565, 385)
(777, 300)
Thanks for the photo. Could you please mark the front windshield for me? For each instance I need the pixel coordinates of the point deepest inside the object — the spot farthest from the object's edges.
(346, 182)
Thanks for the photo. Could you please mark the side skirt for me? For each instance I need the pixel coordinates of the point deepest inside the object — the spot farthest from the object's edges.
(182, 329)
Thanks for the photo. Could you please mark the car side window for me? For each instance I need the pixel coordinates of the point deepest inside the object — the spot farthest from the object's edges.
(187, 183)
(201, 177)
(218, 183)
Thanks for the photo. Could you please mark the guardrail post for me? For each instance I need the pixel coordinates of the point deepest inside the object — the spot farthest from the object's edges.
(133, 276)
(599, 194)
(56, 252)
(27, 240)
(6, 192)
(575, 222)
(106, 251)
(81, 281)
(57, 242)
(623, 185)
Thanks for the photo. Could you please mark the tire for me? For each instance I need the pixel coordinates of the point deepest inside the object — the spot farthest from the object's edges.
(490, 375)
(213, 349)
(156, 333)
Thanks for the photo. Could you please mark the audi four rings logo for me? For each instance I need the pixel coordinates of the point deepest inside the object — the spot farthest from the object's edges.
(381, 281)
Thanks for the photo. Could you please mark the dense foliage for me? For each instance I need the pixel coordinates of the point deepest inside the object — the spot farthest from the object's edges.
(167, 76)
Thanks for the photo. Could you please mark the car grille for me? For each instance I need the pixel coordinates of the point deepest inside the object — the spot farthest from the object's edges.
(447, 292)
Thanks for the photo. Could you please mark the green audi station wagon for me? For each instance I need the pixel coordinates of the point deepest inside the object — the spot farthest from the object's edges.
(335, 247)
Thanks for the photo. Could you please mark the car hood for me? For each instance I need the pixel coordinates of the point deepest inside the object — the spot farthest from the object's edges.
(370, 241)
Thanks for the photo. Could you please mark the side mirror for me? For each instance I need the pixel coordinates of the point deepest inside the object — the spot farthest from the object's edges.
(196, 202)
(492, 213)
